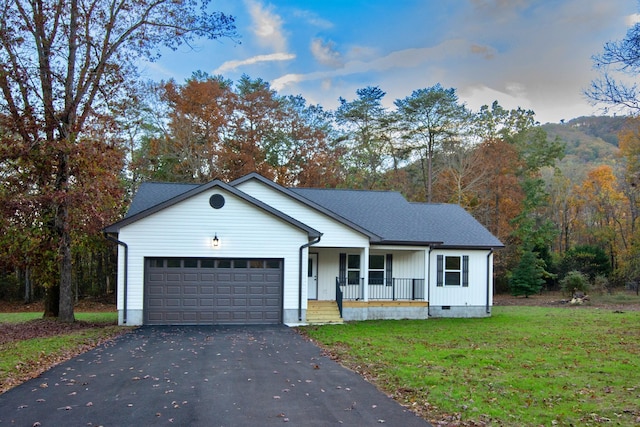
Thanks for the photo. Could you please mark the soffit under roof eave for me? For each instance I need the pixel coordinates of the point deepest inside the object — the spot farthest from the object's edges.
(471, 247)
(406, 242)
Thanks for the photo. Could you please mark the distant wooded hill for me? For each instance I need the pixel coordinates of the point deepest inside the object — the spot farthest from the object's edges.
(590, 141)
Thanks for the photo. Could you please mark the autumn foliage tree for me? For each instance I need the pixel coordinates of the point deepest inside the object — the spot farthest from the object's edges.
(220, 130)
(64, 66)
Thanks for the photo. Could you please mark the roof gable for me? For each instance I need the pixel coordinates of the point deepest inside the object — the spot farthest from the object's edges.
(165, 195)
(294, 194)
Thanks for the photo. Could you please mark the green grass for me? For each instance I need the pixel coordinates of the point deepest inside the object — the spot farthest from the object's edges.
(522, 366)
(26, 358)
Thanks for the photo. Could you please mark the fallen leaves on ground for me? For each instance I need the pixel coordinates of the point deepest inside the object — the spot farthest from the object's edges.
(40, 328)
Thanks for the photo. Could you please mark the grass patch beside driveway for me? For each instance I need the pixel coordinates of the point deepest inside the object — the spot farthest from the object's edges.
(29, 345)
(522, 366)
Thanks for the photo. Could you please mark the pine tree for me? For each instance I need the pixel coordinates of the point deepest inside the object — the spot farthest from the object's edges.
(528, 277)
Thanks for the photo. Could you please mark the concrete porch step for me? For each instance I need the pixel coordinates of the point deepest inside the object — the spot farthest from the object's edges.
(323, 312)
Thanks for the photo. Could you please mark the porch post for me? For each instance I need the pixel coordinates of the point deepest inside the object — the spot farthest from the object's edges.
(365, 273)
(427, 262)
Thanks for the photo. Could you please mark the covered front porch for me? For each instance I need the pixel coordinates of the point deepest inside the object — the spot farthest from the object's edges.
(370, 283)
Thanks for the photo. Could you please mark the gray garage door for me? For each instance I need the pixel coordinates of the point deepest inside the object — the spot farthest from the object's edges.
(194, 291)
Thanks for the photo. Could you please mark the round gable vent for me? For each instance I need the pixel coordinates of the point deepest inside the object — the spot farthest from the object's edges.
(216, 201)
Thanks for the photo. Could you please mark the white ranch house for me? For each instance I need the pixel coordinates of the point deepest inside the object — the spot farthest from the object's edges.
(252, 252)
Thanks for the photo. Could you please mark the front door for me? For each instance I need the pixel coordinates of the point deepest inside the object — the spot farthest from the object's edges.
(312, 277)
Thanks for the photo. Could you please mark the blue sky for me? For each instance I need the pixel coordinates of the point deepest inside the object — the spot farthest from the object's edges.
(534, 54)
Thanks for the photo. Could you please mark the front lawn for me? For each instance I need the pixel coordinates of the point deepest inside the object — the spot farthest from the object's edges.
(30, 345)
(522, 366)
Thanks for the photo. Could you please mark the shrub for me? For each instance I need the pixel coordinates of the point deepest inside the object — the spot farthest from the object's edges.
(601, 284)
(574, 281)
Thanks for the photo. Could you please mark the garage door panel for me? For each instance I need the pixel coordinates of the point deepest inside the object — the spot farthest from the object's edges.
(155, 290)
(189, 316)
(223, 290)
(206, 294)
(272, 302)
(239, 290)
(206, 289)
(206, 316)
(173, 289)
(189, 302)
(272, 290)
(156, 277)
(173, 302)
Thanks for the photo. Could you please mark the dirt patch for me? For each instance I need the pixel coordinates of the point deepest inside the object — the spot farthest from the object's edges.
(557, 299)
(85, 305)
(41, 328)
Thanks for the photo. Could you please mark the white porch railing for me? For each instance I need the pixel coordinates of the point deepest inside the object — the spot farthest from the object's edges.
(395, 289)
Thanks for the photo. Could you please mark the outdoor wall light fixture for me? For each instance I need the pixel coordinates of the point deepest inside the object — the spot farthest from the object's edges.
(216, 241)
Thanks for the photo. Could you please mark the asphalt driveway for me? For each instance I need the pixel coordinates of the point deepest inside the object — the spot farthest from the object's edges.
(202, 376)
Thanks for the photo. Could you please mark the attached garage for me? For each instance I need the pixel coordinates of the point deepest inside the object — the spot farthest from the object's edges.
(212, 291)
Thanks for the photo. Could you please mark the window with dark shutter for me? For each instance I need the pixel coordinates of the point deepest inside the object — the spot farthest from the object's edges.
(440, 272)
(465, 271)
(342, 274)
(389, 269)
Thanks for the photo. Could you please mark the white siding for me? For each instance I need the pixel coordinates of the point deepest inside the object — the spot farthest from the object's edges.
(475, 294)
(187, 229)
(335, 234)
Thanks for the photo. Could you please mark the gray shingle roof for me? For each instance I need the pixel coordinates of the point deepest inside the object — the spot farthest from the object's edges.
(389, 215)
(150, 194)
(386, 215)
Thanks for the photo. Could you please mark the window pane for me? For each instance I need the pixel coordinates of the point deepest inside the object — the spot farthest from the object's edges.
(376, 277)
(376, 262)
(191, 263)
(240, 263)
(173, 263)
(273, 263)
(256, 263)
(207, 263)
(354, 261)
(452, 278)
(156, 262)
(452, 263)
(224, 263)
(354, 278)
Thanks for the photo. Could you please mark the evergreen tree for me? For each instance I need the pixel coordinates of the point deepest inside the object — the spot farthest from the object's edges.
(528, 277)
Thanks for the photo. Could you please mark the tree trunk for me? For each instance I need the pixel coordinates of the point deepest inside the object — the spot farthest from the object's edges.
(65, 312)
(66, 287)
(51, 301)
(28, 291)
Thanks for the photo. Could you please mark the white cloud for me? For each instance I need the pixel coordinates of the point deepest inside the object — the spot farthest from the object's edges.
(313, 19)
(267, 26)
(232, 65)
(632, 19)
(325, 53)
(401, 59)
